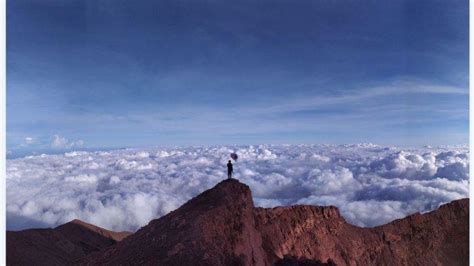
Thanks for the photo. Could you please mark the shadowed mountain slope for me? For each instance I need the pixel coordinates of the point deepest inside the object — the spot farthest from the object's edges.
(62, 245)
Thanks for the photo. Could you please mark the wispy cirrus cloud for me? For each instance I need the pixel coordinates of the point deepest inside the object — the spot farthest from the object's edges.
(407, 112)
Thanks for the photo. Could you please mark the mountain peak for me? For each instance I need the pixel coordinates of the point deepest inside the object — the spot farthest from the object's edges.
(75, 224)
(217, 227)
(228, 191)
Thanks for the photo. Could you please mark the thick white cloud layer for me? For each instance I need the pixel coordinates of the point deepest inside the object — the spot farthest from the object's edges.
(125, 189)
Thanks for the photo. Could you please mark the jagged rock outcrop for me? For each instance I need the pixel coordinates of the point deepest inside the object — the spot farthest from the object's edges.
(62, 245)
(440, 237)
(221, 226)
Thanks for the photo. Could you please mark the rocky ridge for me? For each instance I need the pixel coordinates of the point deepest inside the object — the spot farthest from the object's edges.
(221, 226)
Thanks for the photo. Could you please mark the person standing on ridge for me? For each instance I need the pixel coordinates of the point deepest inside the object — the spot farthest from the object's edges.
(229, 170)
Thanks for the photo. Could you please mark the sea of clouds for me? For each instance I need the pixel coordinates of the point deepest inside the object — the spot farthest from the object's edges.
(125, 189)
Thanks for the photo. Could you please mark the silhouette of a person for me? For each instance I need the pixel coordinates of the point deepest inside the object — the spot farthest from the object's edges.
(229, 170)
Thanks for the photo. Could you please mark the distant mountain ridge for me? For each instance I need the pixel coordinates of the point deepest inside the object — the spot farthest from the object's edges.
(63, 245)
(221, 226)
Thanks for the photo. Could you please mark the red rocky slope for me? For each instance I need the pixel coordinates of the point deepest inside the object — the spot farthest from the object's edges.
(215, 228)
(222, 227)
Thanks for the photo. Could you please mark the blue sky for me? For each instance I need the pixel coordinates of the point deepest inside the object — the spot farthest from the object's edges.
(106, 74)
